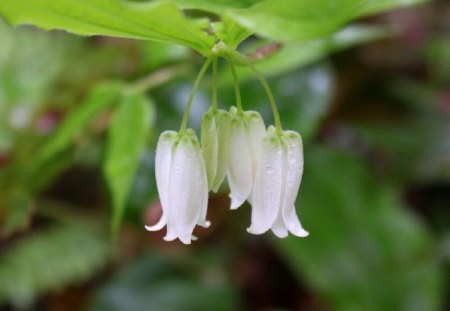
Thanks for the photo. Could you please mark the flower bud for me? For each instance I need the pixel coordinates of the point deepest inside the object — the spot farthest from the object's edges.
(214, 137)
(182, 185)
(276, 185)
(247, 130)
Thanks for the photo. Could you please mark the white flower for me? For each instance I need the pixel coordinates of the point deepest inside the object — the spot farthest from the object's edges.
(214, 138)
(247, 130)
(276, 185)
(182, 185)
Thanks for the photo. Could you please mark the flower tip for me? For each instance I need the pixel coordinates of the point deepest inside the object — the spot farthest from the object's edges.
(186, 239)
(302, 233)
(158, 226)
(256, 232)
(235, 203)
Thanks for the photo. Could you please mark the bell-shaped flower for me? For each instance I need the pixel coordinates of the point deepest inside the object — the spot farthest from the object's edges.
(182, 185)
(276, 185)
(247, 130)
(214, 138)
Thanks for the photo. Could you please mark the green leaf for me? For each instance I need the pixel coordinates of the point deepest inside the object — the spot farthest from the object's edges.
(100, 97)
(154, 282)
(50, 259)
(230, 32)
(287, 20)
(375, 6)
(294, 55)
(127, 137)
(365, 250)
(293, 20)
(217, 6)
(155, 20)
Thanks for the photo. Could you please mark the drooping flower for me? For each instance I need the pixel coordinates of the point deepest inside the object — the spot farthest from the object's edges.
(182, 185)
(214, 138)
(276, 185)
(247, 130)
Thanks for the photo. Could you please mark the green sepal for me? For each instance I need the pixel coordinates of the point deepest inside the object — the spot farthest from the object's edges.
(223, 132)
(214, 140)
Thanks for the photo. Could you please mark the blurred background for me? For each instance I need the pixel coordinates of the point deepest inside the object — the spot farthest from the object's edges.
(374, 113)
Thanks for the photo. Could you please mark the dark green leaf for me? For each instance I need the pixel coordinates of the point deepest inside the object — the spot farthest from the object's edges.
(127, 137)
(154, 283)
(155, 20)
(49, 260)
(365, 251)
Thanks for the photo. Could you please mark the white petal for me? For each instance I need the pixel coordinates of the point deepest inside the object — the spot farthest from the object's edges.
(163, 160)
(278, 227)
(223, 134)
(159, 225)
(171, 234)
(199, 183)
(293, 179)
(183, 212)
(239, 164)
(210, 145)
(267, 193)
(256, 131)
(293, 223)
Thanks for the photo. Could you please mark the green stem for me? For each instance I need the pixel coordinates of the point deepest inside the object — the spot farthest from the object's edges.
(194, 90)
(214, 84)
(266, 87)
(236, 85)
(241, 59)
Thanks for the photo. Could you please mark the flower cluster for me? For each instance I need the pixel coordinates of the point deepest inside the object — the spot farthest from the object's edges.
(263, 167)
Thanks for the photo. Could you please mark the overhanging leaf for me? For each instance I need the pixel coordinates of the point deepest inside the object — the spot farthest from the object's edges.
(294, 55)
(152, 20)
(126, 141)
(216, 6)
(294, 20)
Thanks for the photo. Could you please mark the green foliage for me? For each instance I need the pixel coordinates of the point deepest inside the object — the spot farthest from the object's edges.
(156, 20)
(127, 137)
(365, 251)
(292, 20)
(293, 55)
(50, 259)
(101, 96)
(285, 20)
(152, 282)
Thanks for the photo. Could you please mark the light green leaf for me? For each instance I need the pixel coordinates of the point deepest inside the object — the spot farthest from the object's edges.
(375, 6)
(230, 32)
(127, 137)
(101, 96)
(217, 6)
(293, 20)
(294, 55)
(155, 20)
(365, 250)
(287, 20)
